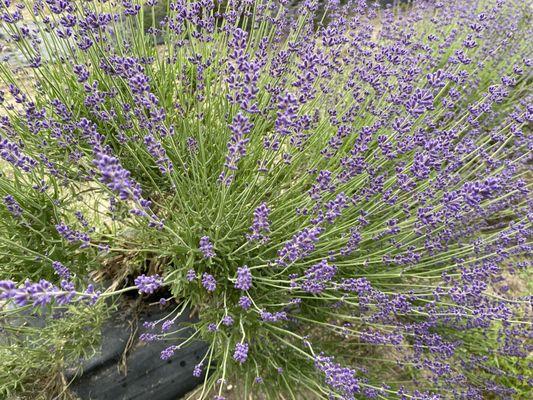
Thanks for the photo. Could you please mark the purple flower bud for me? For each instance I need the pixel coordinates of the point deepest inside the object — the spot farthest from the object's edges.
(339, 378)
(244, 278)
(12, 153)
(148, 284)
(115, 176)
(197, 371)
(12, 206)
(206, 247)
(148, 337)
(267, 316)
(61, 270)
(168, 352)
(191, 275)
(240, 127)
(261, 225)
(227, 320)
(245, 302)
(72, 235)
(167, 325)
(209, 282)
(301, 245)
(241, 352)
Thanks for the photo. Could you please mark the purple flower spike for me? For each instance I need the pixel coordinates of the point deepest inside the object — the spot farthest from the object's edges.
(38, 293)
(12, 153)
(261, 226)
(318, 276)
(116, 177)
(227, 320)
(197, 371)
(61, 270)
(301, 245)
(245, 302)
(339, 378)
(244, 278)
(209, 282)
(72, 235)
(191, 275)
(241, 352)
(148, 284)
(168, 352)
(206, 247)
(12, 206)
(148, 337)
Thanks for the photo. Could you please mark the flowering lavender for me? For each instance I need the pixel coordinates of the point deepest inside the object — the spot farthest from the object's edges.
(12, 206)
(340, 378)
(244, 278)
(41, 293)
(301, 244)
(245, 302)
(369, 164)
(239, 127)
(191, 275)
(197, 371)
(267, 316)
(148, 284)
(158, 152)
(12, 153)
(206, 247)
(168, 352)
(116, 177)
(241, 352)
(72, 235)
(261, 226)
(317, 277)
(209, 282)
(61, 270)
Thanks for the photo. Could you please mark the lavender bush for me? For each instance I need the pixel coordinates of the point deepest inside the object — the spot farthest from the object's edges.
(339, 192)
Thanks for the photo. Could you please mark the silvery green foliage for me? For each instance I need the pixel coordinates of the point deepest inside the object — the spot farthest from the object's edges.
(338, 190)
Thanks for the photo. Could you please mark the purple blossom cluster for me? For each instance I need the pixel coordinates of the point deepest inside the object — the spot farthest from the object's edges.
(13, 206)
(241, 352)
(72, 235)
(261, 225)
(206, 247)
(301, 245)
(240, 127)
(244, 278)
(277, 316)
(340, 378)
(13, 154)
(317, 277)
(245, 303)
(168, 352)
(369, 165)
(43, 293)
(115, 177)
(209, 282)
(148, 284)
(62, 271)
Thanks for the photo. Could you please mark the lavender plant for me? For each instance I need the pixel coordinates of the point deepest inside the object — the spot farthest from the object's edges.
(339, 192)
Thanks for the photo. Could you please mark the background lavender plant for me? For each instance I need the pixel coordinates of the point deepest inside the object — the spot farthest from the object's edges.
(339, 191)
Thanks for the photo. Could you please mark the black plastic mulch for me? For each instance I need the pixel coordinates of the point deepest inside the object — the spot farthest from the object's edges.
(147, 376)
